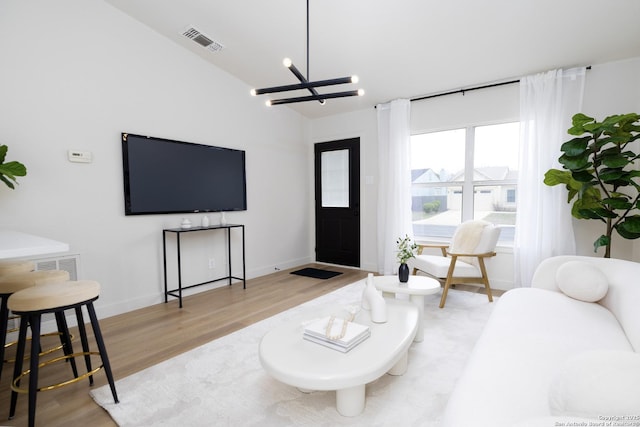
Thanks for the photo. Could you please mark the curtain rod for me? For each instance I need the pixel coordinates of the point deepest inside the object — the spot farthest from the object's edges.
(462, 91)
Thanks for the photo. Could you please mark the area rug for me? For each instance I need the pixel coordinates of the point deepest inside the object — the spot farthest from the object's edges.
(316, 273)
(223, 384)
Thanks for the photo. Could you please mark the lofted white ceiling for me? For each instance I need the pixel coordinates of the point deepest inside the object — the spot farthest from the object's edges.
(399, 48)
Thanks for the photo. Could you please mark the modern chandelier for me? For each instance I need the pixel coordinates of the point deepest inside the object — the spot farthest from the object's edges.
(306, 84)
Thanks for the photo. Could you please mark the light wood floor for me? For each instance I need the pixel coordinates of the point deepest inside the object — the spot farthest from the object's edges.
(145, 337)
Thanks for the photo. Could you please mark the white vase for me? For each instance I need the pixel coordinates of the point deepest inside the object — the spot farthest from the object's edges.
(205, 221)
(373, 300)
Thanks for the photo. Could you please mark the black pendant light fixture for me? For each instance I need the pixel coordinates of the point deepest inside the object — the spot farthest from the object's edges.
(306, 84)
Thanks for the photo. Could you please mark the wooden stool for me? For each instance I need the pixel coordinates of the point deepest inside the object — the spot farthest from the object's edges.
(15, 267)
(11, 283)
(55, 298)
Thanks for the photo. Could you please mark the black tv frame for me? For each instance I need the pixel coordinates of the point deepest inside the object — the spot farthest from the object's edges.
(179, 188)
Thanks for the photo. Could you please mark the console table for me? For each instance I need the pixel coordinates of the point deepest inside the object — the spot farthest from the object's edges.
(178, 232)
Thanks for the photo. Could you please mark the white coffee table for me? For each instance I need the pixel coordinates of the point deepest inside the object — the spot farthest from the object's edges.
(291, 359)
(417, 287)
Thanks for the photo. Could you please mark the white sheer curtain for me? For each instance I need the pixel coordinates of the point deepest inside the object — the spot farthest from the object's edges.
(394, 185)
(543, 223)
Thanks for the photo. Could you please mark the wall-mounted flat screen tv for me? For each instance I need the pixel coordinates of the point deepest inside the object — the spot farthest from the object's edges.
(164, 176)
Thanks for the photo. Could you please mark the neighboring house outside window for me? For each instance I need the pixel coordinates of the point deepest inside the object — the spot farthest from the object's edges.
(464, 174)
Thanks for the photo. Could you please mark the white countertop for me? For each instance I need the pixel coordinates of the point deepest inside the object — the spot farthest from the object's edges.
(15, 244)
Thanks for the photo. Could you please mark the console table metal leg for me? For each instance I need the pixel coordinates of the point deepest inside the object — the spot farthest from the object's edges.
(229, 252)
(179, 271)
(244, 268)
(164, 263)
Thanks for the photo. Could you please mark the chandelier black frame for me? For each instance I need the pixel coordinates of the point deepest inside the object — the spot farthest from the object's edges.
(306, 84)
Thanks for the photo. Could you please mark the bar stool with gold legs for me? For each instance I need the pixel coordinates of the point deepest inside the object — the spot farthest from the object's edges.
(16, 280)
(55, 298)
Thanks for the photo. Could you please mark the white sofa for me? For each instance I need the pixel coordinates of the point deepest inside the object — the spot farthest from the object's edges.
(548, 359)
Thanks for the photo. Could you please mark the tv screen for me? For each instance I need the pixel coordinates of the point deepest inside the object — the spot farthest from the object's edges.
(164, 176)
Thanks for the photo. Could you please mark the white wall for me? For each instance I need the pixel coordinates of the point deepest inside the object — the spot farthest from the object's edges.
(76, 73)
(610, 88)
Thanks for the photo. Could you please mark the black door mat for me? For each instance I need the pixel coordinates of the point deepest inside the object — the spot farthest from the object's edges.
(316, 273)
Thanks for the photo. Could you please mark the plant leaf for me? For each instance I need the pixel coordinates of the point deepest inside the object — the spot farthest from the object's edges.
(605, 213)
(583, 176)
(13, 169)
(6, 181)
(576, 146)
(618, 203)
(602, 241)
(3, 153)
(617, 160)
(610, 175)
(589, 214)
(631, 224)
(575, 162)
(555, 176)
(578, 121)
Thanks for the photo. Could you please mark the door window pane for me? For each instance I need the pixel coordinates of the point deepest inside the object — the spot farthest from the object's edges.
(335, 179)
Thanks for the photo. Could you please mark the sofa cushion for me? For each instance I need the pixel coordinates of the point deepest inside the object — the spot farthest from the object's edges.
(582, 281)
(596, 384)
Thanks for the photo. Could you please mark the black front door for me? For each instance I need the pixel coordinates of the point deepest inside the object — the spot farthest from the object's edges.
(337, 193)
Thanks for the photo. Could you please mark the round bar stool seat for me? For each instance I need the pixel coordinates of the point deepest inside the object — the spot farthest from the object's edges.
(53, 295)
(12, 283)
(15, 267)
(31, 304)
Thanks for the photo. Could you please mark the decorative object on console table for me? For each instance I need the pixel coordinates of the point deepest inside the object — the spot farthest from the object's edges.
(406, 251)
(599, 173)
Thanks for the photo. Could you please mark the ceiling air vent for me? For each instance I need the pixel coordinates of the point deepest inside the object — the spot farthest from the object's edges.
(204, 41)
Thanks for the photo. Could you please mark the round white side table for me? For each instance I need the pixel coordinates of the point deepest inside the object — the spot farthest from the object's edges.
(417, 287)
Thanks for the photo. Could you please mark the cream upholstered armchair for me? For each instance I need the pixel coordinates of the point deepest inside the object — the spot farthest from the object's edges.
(462, 260)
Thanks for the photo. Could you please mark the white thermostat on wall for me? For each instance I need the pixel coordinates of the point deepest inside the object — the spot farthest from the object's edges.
(80, 156)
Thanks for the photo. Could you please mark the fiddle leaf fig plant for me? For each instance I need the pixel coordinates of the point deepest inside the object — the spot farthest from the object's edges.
(601, 174)
(10, 170)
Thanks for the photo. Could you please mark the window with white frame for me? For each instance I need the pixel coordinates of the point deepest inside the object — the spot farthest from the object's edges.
(463, 174)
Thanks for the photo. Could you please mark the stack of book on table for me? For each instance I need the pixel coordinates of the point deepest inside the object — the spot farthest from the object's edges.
(354, 333)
